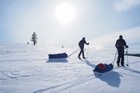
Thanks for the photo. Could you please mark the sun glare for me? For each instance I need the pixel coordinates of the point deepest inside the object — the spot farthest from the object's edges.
(65, 13)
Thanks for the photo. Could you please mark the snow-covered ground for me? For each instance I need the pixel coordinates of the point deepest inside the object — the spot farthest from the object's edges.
(26, 69)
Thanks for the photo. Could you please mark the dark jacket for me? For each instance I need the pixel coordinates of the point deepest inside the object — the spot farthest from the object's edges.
(82, 42)
(120, 43)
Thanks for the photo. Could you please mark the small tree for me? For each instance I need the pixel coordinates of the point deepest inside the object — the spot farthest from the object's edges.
(34, 38)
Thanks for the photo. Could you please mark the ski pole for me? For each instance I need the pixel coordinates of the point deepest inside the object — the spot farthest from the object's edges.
(87, 51)
(127, 57)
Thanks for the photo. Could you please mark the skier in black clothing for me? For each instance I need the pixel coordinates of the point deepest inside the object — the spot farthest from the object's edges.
(81, 45)
(120, 45)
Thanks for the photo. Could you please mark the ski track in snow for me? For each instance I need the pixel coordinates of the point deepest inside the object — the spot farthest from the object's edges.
(67, 85)
(58, 88)
(12, 75)
(24, 60)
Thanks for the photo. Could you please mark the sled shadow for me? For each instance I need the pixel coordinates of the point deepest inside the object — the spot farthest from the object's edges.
(112, 78)
(57, 61)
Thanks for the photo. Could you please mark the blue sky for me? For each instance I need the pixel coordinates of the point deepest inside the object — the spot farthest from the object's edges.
(93, 19)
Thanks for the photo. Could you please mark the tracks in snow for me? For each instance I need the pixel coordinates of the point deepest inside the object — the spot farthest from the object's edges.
(12, 75)
(67, 85)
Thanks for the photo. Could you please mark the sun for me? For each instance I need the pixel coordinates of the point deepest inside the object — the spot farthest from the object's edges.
(65, 13)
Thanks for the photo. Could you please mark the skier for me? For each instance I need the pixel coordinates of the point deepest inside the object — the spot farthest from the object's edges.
(120, 45)
(81, 45)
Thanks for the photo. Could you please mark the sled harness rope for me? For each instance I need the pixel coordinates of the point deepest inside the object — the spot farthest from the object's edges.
(115, 57)
(75, 51)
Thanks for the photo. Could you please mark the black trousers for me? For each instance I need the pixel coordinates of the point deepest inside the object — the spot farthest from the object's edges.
(120, 56)
(81, 52)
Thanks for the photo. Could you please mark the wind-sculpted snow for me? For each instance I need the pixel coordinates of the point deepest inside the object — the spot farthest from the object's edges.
(26, 69)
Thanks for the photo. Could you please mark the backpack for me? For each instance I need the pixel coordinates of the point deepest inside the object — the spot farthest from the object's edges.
(101, 66)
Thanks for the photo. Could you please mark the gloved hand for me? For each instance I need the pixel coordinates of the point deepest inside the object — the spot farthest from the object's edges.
(126, 46)
(87, 43)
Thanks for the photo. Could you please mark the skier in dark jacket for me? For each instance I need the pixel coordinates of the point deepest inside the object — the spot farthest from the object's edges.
(120, 45)
(81, 45)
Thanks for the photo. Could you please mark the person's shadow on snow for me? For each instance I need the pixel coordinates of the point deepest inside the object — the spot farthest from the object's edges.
(112, 78)
(90, 64)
